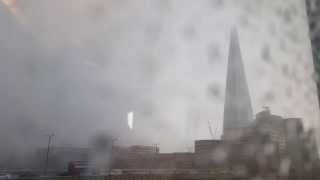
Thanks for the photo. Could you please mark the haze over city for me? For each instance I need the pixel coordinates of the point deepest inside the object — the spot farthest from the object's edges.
(78, 69)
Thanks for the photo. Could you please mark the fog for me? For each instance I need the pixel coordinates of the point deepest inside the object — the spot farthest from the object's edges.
(76, 68)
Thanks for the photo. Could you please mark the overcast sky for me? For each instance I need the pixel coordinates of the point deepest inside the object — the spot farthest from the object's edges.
(77, 67)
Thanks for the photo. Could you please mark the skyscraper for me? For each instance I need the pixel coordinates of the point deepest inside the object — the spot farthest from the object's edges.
(313, 11)
(237, 106)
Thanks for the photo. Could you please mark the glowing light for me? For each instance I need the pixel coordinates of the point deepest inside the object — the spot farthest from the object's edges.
(130, 120)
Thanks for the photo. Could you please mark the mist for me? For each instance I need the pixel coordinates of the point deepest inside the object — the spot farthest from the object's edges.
(76, 68)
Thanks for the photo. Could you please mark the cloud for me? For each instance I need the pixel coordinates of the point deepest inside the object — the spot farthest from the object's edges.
(77, 68)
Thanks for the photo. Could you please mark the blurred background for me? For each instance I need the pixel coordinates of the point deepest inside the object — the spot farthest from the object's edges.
(146, 72)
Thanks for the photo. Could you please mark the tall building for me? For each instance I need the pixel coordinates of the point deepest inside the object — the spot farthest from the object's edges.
(237, 107)
(313, 11)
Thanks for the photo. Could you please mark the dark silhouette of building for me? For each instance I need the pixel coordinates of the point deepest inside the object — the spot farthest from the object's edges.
(313, 12)
(237, 106)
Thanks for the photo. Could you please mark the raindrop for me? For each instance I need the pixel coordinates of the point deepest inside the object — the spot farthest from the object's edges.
(269, 96)
(153, 31)
(293, 36)
(164, 5)
(189, 32)
(285, 167)
(315, 76)
(289, 92)
(272, 29)
(217, 3)
(96, 11)
(240, 170)
(244, 21)
(213, 52)
(283, 45)
(219, 155)
(249, 8)
(285, 70)
(265, 53)
(287, 15)
(269, 149)
(214, 91)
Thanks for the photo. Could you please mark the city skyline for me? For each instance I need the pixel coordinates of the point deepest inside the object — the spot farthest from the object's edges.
(164, 61)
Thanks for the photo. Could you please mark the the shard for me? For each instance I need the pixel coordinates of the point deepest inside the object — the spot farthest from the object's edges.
(237, 107)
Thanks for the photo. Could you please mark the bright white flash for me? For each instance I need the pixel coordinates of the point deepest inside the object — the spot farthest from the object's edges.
(130, 120)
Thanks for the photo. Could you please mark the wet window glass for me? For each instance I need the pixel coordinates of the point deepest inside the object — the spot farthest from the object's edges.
(163, 89)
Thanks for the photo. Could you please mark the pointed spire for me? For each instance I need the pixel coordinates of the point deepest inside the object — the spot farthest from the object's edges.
(237, 107)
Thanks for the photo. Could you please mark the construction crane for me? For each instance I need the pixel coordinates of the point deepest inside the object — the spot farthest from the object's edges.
(210, 129)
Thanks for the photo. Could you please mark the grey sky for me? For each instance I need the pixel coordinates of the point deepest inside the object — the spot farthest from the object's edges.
(77, 67)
